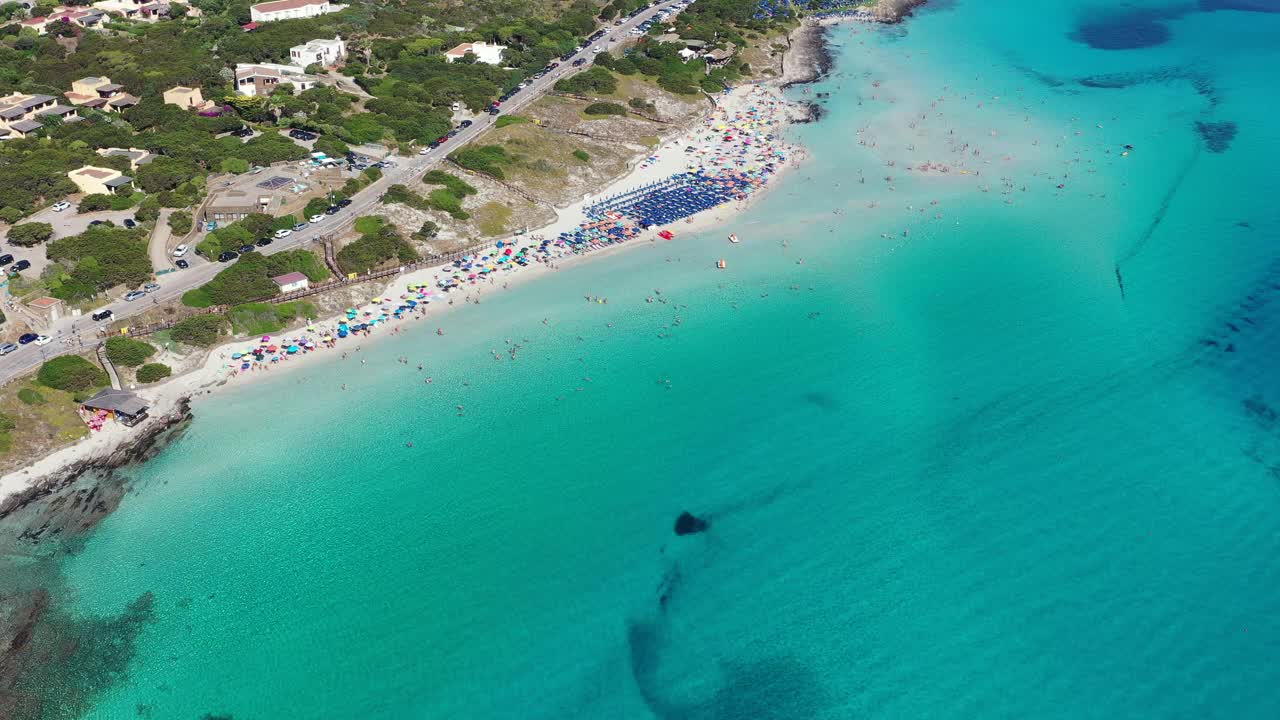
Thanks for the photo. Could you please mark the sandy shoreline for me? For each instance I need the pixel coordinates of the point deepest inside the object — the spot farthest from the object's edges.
(806, 61)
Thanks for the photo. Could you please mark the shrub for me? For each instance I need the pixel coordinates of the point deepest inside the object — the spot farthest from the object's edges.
(427, 232)
(486, 159)
(373, 249)
(505, 120)
(197, 298)
(642, 105)
(180, 222)
(265, 318)
(604, 108)
(100, 257)
(199, 330)
(93, 203)
(455, 184)
(445, 201)
(284, 222)
(128, 352)
(32, 233)
(582, 155)
(597, 80)
(30, 396)
(151, 372)
(7, 423)
(71, 372)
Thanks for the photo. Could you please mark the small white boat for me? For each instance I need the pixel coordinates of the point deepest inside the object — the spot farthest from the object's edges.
(733, 238)
(721, 264)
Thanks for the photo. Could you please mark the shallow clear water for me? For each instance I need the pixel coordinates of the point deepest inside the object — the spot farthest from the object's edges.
(949, 474)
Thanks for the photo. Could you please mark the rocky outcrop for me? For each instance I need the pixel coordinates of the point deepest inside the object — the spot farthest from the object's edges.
(690, 524)
(77, 497)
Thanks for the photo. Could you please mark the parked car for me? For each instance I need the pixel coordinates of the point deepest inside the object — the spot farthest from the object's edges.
(43, 340)
(130, 223)
(7, 348)
(61, 205)
(263, 242)
(182, 264)
(283, 233)
(332, 210)
(316, 218)
(102, 315)
(95, 223)
(180, 250)
(228, 256)
(150, 287)
(464, 124)
(245, 131)
(246, 249)
(210, 226)
(344, 202)
(134, 295)
(28, 338)
(299, 226)
(302, 135)
(423, 151)
(20, 266)
(579, 62)
(5, 259)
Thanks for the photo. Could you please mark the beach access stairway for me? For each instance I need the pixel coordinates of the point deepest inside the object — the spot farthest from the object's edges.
(108, 366)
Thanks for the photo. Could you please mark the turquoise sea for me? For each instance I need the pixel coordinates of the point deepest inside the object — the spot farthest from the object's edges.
(954, 473)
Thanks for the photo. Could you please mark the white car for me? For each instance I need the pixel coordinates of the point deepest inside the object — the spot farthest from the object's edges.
(315, 219)
(598, 49)
(283, 233)
(180, 250)
(61, 205)
(424, 151)
(42, 340)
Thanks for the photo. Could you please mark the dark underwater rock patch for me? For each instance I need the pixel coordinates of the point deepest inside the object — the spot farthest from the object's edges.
(1217, 136)
(1127, 29)
(690, 524)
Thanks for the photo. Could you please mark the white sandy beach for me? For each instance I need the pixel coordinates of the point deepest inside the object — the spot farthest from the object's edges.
(671, 158)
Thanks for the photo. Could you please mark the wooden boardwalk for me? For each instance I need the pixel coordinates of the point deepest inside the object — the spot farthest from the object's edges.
(106, 365)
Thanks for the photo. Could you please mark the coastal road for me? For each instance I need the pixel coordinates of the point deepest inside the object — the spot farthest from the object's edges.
(70, 334)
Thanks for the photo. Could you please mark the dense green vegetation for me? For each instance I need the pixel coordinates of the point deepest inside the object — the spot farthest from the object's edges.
(101, 257)
(127, 351)
(582, 155)
(28, 234)
(249, 278)
(374, 248)
(451, 182)
(604, 108)
(486, 159)
(152, 372)
(265, 318)
(71, 372)
(596, 81)
(199, 330)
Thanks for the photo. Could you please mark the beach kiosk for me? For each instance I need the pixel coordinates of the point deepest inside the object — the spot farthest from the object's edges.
(109, 404)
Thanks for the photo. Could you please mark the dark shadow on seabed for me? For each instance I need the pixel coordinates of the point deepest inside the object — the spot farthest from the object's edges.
(54, 664)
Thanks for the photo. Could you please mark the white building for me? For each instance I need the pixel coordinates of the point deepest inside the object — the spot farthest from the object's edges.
(261, 79)
(319, 52)
(291, 9)
(484, 52)
(291, 281)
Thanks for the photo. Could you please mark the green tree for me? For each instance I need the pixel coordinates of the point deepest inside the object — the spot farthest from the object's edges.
(316, 206)
(199, 330)
(94, 203)
(29, 234)
(180, 222)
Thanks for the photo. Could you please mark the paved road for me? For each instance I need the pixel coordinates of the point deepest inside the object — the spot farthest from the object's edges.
(71, 333)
